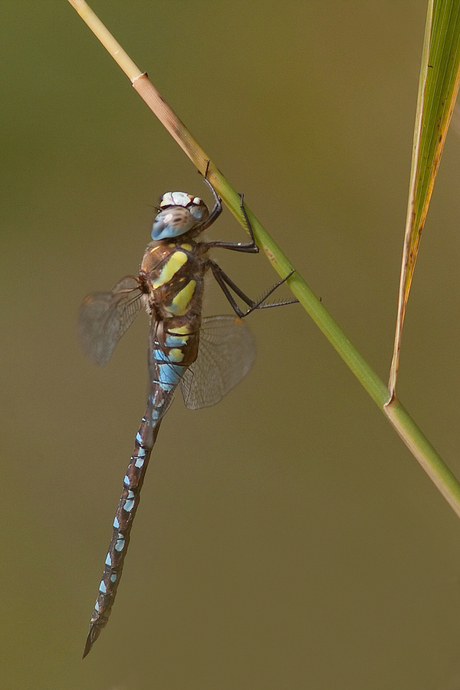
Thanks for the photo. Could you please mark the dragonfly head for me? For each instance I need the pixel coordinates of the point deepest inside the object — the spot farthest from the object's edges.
(180, 213)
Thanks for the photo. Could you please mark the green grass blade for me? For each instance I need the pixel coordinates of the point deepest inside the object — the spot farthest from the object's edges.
(438, 87)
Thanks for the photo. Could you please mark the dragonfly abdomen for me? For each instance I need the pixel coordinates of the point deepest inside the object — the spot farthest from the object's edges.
(124, 516)
(168, 346)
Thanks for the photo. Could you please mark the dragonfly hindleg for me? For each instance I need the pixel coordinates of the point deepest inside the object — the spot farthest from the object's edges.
(226, 284)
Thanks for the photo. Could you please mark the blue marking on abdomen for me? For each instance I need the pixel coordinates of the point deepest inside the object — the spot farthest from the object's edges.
(158, 403)
(175, 341)
(120, 545)
(160, 356)
(169, 375)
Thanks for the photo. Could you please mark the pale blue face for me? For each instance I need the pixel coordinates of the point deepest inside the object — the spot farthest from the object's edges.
(180, 213)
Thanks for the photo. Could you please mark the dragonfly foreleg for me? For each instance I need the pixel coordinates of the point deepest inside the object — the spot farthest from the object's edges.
(248, 247)
(216, 209)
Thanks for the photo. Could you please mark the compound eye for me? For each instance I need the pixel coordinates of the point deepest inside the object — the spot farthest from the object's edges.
(198, 212)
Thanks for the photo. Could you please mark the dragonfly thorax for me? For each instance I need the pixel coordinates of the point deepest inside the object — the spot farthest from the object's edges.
(180, 214)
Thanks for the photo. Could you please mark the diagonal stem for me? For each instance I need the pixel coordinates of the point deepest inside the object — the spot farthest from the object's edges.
(412, 436)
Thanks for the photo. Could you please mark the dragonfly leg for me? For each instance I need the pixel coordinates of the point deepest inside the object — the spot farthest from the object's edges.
(217, 208)
(248, 247)
(260, 303)
(226, 284)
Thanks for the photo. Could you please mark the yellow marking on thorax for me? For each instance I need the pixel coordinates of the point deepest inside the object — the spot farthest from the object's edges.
(173, 264)
(180, 303)
(187, 246)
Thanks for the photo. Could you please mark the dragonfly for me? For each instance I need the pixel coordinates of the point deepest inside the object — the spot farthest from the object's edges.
(205, 357)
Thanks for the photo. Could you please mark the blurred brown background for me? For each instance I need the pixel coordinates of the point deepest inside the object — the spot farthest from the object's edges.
(286, 538)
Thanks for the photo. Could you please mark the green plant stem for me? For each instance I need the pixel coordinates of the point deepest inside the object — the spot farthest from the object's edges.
(415, 440)
(424, 452)
(417, 443)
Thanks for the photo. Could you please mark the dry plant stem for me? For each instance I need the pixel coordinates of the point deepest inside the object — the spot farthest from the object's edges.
(157, 104)
(171, 122)
(400, 419)
(105, 37)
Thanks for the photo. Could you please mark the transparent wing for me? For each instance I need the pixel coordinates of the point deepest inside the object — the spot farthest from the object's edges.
(226, 354)
(105, 316)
